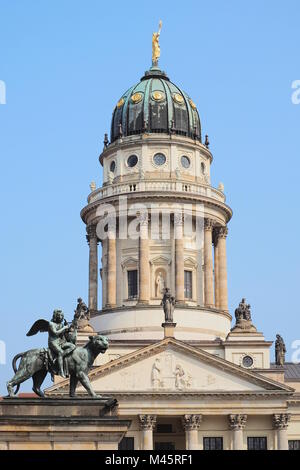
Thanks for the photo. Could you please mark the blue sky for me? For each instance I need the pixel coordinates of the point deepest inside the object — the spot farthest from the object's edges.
(66, 63)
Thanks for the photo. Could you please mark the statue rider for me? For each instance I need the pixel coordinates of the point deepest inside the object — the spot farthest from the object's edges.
(57, 341)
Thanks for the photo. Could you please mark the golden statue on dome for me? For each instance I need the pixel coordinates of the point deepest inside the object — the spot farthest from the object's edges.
(155, 45)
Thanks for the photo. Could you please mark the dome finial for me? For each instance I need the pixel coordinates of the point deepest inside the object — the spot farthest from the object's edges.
(155, 46)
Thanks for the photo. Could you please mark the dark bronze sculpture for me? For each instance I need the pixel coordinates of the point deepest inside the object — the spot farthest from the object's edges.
(280, 351)
(243, 320)
(61, 358)
(82, 312)
(243, 311)
(168, 303)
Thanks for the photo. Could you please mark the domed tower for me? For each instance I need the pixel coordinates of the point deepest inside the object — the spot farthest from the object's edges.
(159, 221)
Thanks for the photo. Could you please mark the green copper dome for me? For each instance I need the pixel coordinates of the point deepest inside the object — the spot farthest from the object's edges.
(156, 105)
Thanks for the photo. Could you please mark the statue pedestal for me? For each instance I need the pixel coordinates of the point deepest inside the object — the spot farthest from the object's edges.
(61, 423)
(169, 329)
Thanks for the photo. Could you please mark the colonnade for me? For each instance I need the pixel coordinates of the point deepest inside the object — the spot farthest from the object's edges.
(215, 271)
(192, 425)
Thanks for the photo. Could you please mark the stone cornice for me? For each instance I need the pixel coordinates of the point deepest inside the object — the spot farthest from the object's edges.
(63, 420)
(234, 395)
(248, 343)
(152, 195)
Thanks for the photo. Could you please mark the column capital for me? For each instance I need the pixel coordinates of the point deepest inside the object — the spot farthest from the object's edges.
(147, 422)
(237, 422)
(191, 422)
(223, 231)
(208, 224)
(91, 233)
(281, 421)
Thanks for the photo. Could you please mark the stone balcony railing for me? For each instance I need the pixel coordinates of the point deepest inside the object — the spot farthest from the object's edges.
(156, 186)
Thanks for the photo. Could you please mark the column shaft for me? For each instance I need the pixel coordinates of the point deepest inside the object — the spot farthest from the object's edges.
(179, 258)
(282, 439)
(237, 439)
(223, 293)
(144, 274)
(216, 271)
(192, 442)
(111, 271)
(147, 438)
(93, 267)
(208, 264)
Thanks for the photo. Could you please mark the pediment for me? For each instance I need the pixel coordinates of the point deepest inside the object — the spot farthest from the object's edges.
(160, 260)
(174, 366)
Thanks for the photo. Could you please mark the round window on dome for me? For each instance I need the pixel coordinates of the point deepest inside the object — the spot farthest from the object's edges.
(112, 166)
(159, 159)
(132, 161)
(185, 161)
(247, 361)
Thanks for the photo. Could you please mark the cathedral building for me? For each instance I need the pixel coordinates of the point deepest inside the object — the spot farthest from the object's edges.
(197, 382)
(198, 378)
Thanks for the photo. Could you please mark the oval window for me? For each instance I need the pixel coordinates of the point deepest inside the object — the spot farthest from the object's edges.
(185, 161)
(159, 159)
(112, 166)
(132, 160)
(247, 361)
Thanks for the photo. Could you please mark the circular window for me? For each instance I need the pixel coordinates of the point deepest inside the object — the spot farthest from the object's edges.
(112, 166)
(185, 161)
(159, 159)
(132, 160)
(247, 361)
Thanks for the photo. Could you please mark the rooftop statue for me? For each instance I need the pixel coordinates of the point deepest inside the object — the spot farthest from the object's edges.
(62, 357)
(280, 351)
(155, 45)
(243, 317)
(168, 303)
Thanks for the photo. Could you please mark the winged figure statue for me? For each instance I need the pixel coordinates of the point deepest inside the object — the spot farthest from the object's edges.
(62, 357)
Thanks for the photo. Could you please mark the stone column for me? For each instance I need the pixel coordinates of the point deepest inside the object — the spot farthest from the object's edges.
(216, 266)
(208, 264)
(93, 266)
(111, 268)
(179, 257)
(237, 424)
(280, 423)
(191, 424)
(144, 274)
(223, 293)
(147, 425)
